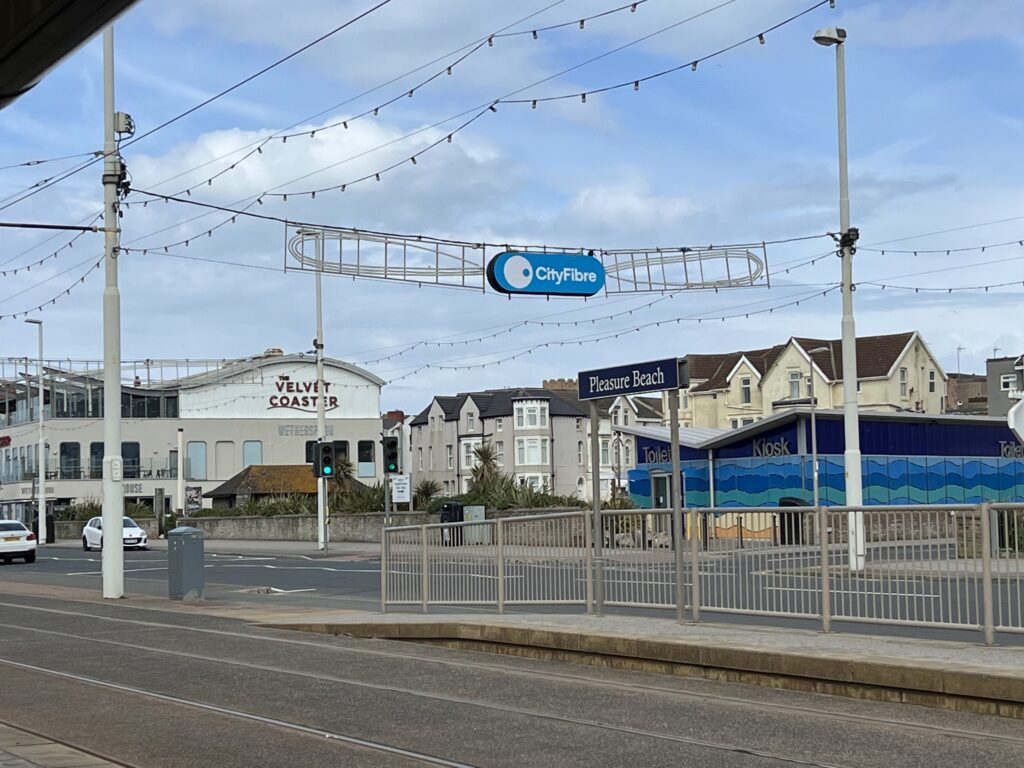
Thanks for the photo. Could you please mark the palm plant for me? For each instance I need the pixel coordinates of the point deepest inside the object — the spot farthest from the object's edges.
(425, 491)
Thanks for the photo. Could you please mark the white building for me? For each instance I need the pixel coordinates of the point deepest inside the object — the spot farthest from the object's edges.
(260, 410)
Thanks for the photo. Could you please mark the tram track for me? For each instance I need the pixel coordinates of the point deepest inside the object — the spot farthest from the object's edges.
(751, 704)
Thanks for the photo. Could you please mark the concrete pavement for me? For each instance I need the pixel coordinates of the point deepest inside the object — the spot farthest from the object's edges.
(942, 674)
(21, 749)
(307, 549)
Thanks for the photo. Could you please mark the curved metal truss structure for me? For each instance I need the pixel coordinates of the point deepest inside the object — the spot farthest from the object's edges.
(459, 264)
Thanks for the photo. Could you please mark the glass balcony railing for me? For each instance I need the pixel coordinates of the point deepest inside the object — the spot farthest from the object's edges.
(145, 469)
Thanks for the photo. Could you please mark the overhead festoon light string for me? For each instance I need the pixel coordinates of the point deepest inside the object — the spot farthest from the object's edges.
(583, 341)
(53, 254)
(54, 299)
(29, 163)
(447, 69)
(946, 251)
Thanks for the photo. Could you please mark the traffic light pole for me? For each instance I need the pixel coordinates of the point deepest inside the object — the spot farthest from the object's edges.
(321, 412)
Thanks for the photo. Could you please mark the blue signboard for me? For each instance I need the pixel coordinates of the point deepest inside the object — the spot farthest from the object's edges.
(553, 274)
(656, 376)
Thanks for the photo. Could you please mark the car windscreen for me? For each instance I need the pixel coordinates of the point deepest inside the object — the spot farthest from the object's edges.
(12, 526)
(129, 523)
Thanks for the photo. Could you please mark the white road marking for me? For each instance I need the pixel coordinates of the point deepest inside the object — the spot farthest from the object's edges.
(126, 570)
(302, 568)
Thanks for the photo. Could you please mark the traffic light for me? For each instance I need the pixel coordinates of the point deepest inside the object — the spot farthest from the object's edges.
(324, 466)
(391, 464)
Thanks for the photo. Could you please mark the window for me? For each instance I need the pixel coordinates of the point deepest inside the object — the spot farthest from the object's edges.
(365, 466)
(471, 422)
(531, 416)
(171, 407)
(96, 460)
(450, 449)
(430, 458)
(70, 460)
(532, 450)
(745, 390)
(628, 450)
(196, 455)
(794, 385)
(499, 453)
(1007, 381)
(746, 422)
(579, 453)
(579, 425)
(419, 459)
(931, 381)
(735, 423)
(535, 482)
(617, 452)
(625, 418)
(615, 417)
(605, 454)
(252, 453)
(685, 399)
(131, 459)
(498, 425)
(469, 459)
(810, 385)
(903, 382)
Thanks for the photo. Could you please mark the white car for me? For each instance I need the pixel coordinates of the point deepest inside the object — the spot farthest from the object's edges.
(16, 541)
(132, 535)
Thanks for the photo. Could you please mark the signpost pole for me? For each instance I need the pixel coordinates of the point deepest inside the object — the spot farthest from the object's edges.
(595, 490)
(321, 414)
(677, 505)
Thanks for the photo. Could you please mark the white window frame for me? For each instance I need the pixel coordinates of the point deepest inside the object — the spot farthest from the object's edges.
(931, 381)
(420, 458)
(580, 453)
(498, 423)
(430, 458)
(499, 453)
(794, 384)
(528, 448)
(1007, 382)
(684, 398)
(450, 451)
(606, 455)
(470, 421)
(745, 395)
(469, 460)
(903, 382)
(536, 481)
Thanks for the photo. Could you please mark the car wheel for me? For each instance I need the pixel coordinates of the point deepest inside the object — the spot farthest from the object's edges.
(85, 544)
(30, 557)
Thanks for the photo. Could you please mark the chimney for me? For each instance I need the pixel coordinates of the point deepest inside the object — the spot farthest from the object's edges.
(398, 416)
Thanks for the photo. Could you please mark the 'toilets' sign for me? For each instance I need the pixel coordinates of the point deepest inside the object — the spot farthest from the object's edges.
(551, 274)
(656, 376)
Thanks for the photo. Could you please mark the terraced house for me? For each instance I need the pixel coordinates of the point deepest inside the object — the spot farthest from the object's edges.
(540, 434)
(895, 373)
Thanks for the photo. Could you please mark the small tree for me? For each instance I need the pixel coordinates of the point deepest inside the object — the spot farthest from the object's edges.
(425, 492)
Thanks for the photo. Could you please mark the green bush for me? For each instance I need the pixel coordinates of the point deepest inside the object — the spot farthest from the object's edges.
(359, 500)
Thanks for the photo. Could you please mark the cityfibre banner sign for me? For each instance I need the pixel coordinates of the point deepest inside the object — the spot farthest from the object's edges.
(656, 376)
(545, 274)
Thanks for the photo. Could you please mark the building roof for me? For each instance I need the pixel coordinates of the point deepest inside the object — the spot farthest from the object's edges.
(689, 437)
(648, 408)
(235, 367)
(876, 356)
(267, 480)
(494, 403)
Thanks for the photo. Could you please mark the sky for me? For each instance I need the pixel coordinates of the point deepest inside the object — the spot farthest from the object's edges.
(743, 149)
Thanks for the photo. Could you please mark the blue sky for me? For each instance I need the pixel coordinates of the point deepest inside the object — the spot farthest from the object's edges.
(743, 149)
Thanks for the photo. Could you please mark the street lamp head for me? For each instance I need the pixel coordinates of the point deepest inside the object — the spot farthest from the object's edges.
(830, 36)
(34, 322)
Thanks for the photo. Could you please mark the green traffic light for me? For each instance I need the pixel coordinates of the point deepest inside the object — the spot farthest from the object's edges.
(328, 470)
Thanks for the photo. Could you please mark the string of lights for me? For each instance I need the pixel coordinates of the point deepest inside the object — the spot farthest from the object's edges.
(945, 289)
(477, 112)
(614, 335)
(41, 185)
(29, 163)
(955, 268)
(946, 251)
(53, 300)
(397, 78)
(635, 83)
(39, 262)
(218, 262)
(70, 244)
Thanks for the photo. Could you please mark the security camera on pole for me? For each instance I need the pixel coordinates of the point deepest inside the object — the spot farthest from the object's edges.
(847, 243)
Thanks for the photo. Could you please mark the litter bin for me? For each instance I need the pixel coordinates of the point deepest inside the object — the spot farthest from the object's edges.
(51, 530)
(185, 576)
(452, 512)
(791, 528)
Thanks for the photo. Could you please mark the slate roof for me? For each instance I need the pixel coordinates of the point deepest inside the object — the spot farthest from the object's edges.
(648, 408)
(875, 357)
(493, 403)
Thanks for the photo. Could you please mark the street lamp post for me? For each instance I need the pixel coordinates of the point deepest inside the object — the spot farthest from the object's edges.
(847, 240)
(41, 456)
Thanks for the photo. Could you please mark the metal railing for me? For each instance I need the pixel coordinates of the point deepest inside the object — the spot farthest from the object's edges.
(952, 566)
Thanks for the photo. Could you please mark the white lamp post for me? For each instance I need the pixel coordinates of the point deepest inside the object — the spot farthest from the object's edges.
(848, 238)
(41, 455)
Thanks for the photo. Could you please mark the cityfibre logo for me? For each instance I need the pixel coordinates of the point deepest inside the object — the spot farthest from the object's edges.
(556, 274)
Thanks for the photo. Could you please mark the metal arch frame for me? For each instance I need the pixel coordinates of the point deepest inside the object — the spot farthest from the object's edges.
(421, 260)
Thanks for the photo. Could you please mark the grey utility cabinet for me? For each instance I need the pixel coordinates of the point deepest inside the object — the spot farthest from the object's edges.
(185, 577)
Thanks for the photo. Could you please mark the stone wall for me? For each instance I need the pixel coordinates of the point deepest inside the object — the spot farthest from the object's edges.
(72, 529)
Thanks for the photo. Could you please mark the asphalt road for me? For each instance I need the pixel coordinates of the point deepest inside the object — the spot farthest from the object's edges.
(352, 582)
(154, 688)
